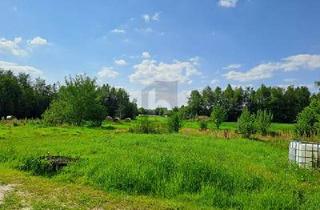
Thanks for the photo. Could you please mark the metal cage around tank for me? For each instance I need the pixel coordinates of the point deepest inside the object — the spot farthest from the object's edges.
(305, 154)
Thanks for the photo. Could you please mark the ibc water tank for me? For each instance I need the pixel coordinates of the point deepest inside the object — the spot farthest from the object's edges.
(305, 154)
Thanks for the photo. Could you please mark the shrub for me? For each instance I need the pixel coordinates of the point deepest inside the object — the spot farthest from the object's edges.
(203, 124)
(46, 165)
(218, 115)
(308, 121)
(145, 125)
(77, 102)
(263, 121)
(246, 123)
(38, 166)
(174, 122)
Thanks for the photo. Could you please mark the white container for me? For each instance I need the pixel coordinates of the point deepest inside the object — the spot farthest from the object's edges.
(305, 154)
(293, 150)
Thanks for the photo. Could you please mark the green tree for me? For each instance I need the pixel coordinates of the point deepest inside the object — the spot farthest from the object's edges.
(308, 121)
(43, 95)
(117, 102)
(238, 101)
(109, 99)
(277, 104)
(195, 103)
(208, 100)
(161, 111)
(22, 97)
(218, 97)
(295, 100)
(246, 123)
(77, 102)
(263, 121)
(228, 101)
(262, 98)
(203, 124)
(174, 122)
(10, 94)
(218, 115)
(123, 110)
(142, 111)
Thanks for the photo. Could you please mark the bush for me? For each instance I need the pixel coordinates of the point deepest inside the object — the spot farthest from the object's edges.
(308, 121)
(147, 126)
(77, 102)
(203, 124)
(46, 165)
(246, 123)
(174, 122)
(263, 121)
(218, 115)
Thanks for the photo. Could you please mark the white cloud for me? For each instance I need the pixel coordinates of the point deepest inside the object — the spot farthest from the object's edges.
(146, 55)
(37, 41)
(156, 16)
(107, 73)
(290, 80)
(118, 31)
(16, 69)
(310, 86)
(262, 71)
(267, 70)
(232, 66)
(12, 47)
(214, 81)
(120, 62)
(302, 61)
(148, 18)
(151, 71)
(227, 3)
(144, 30)
(18, 47)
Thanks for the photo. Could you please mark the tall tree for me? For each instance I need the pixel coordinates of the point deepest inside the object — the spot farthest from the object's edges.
(117, 102)
(195, 103)
(262, 98)
(208, 98)
(277, 104)
(77, 102)
(22, 97)
(10, 94)
(228, 95)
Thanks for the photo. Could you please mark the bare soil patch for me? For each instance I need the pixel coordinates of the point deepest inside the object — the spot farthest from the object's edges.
(5, 189)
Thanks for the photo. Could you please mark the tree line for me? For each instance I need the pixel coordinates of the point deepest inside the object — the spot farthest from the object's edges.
(77, 100)
(22, 97)
(283, 103)
(81, 99)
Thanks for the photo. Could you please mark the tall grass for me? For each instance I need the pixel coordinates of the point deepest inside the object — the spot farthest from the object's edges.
(147, 125)
(208, 172)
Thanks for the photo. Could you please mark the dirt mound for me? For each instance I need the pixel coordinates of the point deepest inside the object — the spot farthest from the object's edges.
(47, 165)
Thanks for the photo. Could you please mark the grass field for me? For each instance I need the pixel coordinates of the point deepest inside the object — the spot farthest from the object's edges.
(195, 124)
(115, 169)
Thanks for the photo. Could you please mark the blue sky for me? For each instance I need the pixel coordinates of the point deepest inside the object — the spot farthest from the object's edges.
(134, 43)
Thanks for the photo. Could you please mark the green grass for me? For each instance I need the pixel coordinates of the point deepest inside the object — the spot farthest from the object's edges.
(39, 193)
(233, 125)
(169, 170)
(196, 124)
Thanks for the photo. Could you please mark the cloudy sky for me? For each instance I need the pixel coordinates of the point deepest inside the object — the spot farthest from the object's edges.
(134, 43)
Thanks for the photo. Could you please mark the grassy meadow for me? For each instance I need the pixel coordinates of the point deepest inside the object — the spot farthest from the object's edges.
(116, 169)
